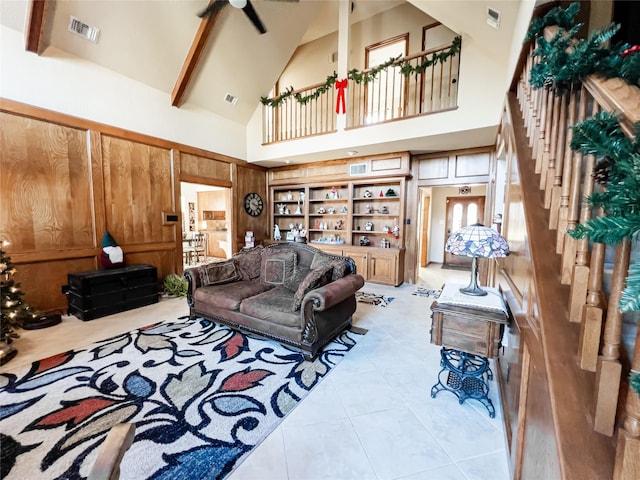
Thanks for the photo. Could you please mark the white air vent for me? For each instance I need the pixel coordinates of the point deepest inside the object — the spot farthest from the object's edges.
(230, 99)
(82, 29)
(358, 169)
(493, 18)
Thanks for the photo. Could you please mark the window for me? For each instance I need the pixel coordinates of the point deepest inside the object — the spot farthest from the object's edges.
(385, 95)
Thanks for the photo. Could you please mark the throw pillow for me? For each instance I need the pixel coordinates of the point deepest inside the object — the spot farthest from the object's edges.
(250, 262)
(218, 273)
(112, 255)
(340, 267)
(296, 279)
(279, 265)
(315, 279)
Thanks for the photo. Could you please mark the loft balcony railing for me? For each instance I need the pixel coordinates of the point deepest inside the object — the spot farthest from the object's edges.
(390, 96)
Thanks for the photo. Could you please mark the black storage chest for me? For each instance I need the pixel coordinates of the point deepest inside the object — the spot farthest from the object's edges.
(96, 293)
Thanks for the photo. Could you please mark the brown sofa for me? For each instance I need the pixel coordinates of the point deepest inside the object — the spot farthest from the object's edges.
(289, 292)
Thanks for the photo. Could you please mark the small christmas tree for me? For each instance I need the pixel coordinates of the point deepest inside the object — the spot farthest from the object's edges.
(14, 310)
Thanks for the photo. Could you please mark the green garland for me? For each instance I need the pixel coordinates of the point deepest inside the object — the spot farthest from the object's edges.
(618, 169)
(566, 59)
(366, 77)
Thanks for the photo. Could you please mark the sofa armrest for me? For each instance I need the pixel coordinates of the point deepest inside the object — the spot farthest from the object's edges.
(192, 276)
(334, 292)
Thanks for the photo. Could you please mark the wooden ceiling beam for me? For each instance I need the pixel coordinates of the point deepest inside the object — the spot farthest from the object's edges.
(193, 57)
(35, 25)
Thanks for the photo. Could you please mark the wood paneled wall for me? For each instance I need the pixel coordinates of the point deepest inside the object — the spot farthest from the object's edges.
(64, 181)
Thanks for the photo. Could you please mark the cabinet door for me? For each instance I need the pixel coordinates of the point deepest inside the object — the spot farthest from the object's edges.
(361, 260)
(383, 268)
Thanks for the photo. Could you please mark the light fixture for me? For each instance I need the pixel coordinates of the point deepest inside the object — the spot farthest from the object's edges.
(476, 241)
(351, 153)
(238, 3)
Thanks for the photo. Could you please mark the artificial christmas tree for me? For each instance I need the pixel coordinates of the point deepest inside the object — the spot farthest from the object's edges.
(14, 311)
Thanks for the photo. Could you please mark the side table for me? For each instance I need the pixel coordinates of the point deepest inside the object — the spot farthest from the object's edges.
(467, 376)
(470, 331)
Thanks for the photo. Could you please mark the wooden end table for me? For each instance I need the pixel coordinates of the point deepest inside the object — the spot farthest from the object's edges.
(470, 331)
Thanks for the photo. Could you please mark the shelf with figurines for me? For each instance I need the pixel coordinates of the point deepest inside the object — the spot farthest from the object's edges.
(385, 192)
(327, 239)
(322, 224)
(333, 194)
(322, 211)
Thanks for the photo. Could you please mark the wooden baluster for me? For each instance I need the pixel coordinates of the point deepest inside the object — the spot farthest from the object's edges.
(609, 371)
(581, 270)
(538, 145)
(533, 110)
(591, 327)
(627, 465)
(551, 157)
(554, 175)
(565, 189)
(543, 152)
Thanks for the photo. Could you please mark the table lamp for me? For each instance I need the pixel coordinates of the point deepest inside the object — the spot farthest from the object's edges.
(476, 241)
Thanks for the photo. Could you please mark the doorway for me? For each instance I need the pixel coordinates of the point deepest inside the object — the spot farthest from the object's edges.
(206, 226)
(460, 212)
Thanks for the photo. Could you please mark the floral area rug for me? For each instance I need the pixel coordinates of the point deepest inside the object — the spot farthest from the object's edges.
(201, 396)
(373, 299)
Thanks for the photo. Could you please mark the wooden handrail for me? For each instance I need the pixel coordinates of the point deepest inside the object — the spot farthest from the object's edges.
(564, 350)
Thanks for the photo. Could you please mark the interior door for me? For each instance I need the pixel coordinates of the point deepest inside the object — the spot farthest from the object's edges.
(461, 211)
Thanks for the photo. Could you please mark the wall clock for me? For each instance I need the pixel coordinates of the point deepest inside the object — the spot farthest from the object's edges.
(253, 204)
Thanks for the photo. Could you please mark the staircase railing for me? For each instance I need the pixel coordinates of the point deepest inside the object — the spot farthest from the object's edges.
(607, 341)
(390, 96)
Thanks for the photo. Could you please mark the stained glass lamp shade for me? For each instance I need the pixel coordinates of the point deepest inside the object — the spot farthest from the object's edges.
(476, 241)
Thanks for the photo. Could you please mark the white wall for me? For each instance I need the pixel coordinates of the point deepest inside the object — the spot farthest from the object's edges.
(63, 83)
(437, 237)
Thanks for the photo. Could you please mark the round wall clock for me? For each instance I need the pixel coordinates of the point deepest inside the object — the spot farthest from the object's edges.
(253, 204)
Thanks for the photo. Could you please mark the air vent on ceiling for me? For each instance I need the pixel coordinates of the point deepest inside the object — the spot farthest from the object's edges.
(358, 169)
(84, 30)
(493, 18)
(230, 99)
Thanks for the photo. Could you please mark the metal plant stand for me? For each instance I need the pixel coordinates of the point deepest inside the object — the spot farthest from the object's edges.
(465, 375)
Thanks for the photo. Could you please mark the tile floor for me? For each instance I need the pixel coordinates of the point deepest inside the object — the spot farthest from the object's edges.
(372, 418)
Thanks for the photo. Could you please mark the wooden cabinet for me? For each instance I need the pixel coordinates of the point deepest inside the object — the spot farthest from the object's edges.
(362, 219)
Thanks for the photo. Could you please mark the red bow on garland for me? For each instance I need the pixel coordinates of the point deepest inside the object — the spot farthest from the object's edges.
(340, 101)
(635, 48)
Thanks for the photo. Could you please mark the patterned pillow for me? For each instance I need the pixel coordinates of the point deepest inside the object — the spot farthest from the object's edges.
(315, 279)
(250, 263)
(296, 279)
(278, 265)
(219, 273)
(340, 267)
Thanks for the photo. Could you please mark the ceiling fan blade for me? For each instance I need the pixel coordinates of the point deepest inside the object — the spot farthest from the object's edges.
(213, 8)
(253, 16)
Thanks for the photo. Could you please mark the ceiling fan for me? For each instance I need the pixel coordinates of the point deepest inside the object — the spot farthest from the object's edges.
(245, 5)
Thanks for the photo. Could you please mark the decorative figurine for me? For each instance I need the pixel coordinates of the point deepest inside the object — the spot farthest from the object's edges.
(339, 224)
(277, 236)
(367, 209)
(281, 208)
(367, 194)
(368, 226)
(334, 193)
(331, 210)
(344, 209)
(322, 211)
(364, 241)
(396, 231)
(385, 210)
